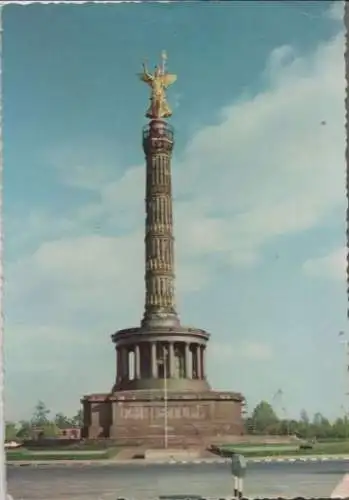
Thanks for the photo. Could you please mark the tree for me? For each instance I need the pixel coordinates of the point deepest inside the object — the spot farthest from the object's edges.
(262, 421)
(10, 431)
(263, 417)
(304, 426)
(41, 415)
(78, 419)
(249, 426)
(25, 430)
(62, 421)
(49, 430)
(340, 428)
(321, 427)
(304, 417)
(317, 420)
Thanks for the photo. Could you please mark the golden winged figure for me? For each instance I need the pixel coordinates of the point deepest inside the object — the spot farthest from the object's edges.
(159, 81)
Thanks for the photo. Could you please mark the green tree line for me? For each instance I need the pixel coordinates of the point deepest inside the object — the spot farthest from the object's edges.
(264, 420)
(49, 425)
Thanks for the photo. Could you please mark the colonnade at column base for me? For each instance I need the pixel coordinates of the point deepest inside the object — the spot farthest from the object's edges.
(161, 357)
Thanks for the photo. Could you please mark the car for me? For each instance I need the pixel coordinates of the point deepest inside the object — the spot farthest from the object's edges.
(12, 444)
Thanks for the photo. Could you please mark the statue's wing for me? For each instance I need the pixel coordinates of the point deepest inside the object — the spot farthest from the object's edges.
(145, 77)
(168, 79)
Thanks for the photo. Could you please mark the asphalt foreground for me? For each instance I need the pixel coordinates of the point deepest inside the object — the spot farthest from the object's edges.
(145, 482)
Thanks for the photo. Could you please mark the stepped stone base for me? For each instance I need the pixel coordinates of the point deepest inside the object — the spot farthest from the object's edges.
(137, 418)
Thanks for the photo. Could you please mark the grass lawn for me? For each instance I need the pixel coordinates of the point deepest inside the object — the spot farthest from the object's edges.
(332, 447)
(24, 454)
(328, 448)
(263, 448)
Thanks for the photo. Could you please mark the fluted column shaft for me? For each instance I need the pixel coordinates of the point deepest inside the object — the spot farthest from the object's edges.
(154, 362)
(199, 359)
(124, 363)
(118, 365)
(159, 242)
(202, 352)
(137, 362)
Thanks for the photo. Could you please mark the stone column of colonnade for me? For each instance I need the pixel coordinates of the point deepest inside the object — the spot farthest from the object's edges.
(193, 355)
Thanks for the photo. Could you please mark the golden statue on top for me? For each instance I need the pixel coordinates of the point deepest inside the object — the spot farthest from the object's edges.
(159, 81)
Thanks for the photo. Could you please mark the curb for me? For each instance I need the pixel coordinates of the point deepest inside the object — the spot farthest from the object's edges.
(266, 460)
(330, 458)
(87, 463)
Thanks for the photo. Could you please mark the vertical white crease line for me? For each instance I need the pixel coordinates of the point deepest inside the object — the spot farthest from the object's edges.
(3, 495)
(346, 59)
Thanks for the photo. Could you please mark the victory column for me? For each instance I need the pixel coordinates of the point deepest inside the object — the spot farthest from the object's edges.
(161, 375)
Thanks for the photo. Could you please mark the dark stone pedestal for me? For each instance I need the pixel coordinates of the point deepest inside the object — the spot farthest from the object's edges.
(135, 418)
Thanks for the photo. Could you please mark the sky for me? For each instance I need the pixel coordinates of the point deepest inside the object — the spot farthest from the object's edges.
(259, 195)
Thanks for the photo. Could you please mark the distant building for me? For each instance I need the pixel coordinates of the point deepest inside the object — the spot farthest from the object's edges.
(70, 433)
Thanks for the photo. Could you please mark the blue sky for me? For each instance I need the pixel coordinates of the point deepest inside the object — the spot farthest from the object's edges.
(258, 187)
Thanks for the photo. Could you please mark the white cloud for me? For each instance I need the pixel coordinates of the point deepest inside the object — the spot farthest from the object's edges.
(336, 11)
(332, 266)
(274, 165)
(279, 59)
(271, 167)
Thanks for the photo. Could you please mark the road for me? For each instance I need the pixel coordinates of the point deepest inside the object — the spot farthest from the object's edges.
(143, 482)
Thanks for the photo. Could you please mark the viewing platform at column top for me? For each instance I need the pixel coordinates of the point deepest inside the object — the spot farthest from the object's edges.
(158, 129)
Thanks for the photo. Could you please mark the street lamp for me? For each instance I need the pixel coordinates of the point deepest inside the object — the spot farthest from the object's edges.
(163, 361)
